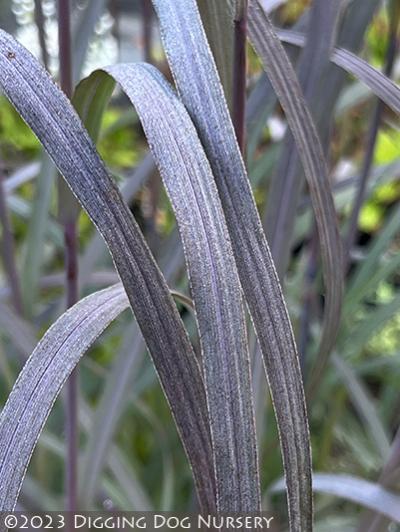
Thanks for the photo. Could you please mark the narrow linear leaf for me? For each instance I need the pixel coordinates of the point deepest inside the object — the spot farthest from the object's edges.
(370, 267)
(357, 490)
(37, 229)
(286, 85)
(41, 380)
(213, 279)
(215, 16)
(288, 182)
(83, 32)
(363, 403)
(106, 417)
(96, 247)
(382, 86)
(17, 329)
(199, 87)
(50, 115)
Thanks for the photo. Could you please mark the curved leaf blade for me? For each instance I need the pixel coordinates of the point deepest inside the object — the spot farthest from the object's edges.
(201, 92)
(357, 490)
(50, 115)
(213, 278)
(286, 86)
(41, 380)
(382, 86)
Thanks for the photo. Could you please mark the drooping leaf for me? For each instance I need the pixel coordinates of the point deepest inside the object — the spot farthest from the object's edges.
(357, 490)
(41, 380)
(201, 92)
(379, 84)
(213, 279)
(51, 117)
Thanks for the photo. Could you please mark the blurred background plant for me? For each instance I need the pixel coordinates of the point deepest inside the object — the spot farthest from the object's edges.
(129, 451)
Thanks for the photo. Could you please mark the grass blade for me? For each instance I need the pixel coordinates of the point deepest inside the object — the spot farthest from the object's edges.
(283, 79)
(213, 279)
(38, 226)
(383, 87)
(357, 490)
(198, 85)
(50, 115)
(41, 380)
(363, 403)
(8, 251)
(286, 187)
(83, 32)
(217, 15)
(116, 390)
(372, 136)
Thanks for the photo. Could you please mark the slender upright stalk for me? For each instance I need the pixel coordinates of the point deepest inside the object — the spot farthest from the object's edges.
(370, 149)
(8, 251)
(239, 73)
(147, 17)
(40, 21)
(71, 269)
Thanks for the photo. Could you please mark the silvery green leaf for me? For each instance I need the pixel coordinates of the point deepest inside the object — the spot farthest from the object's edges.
(357, 490)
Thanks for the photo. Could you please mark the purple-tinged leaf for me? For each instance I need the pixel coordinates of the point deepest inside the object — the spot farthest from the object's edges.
(213, 279)
(286, 86)
(50, 115)
(201, 92)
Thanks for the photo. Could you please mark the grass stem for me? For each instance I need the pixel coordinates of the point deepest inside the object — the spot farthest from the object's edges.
(71, 269)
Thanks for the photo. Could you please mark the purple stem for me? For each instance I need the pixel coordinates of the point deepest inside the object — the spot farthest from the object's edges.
(40, 21)
(147, 13)
(71, 269)
(239, 76)
(8, 251)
